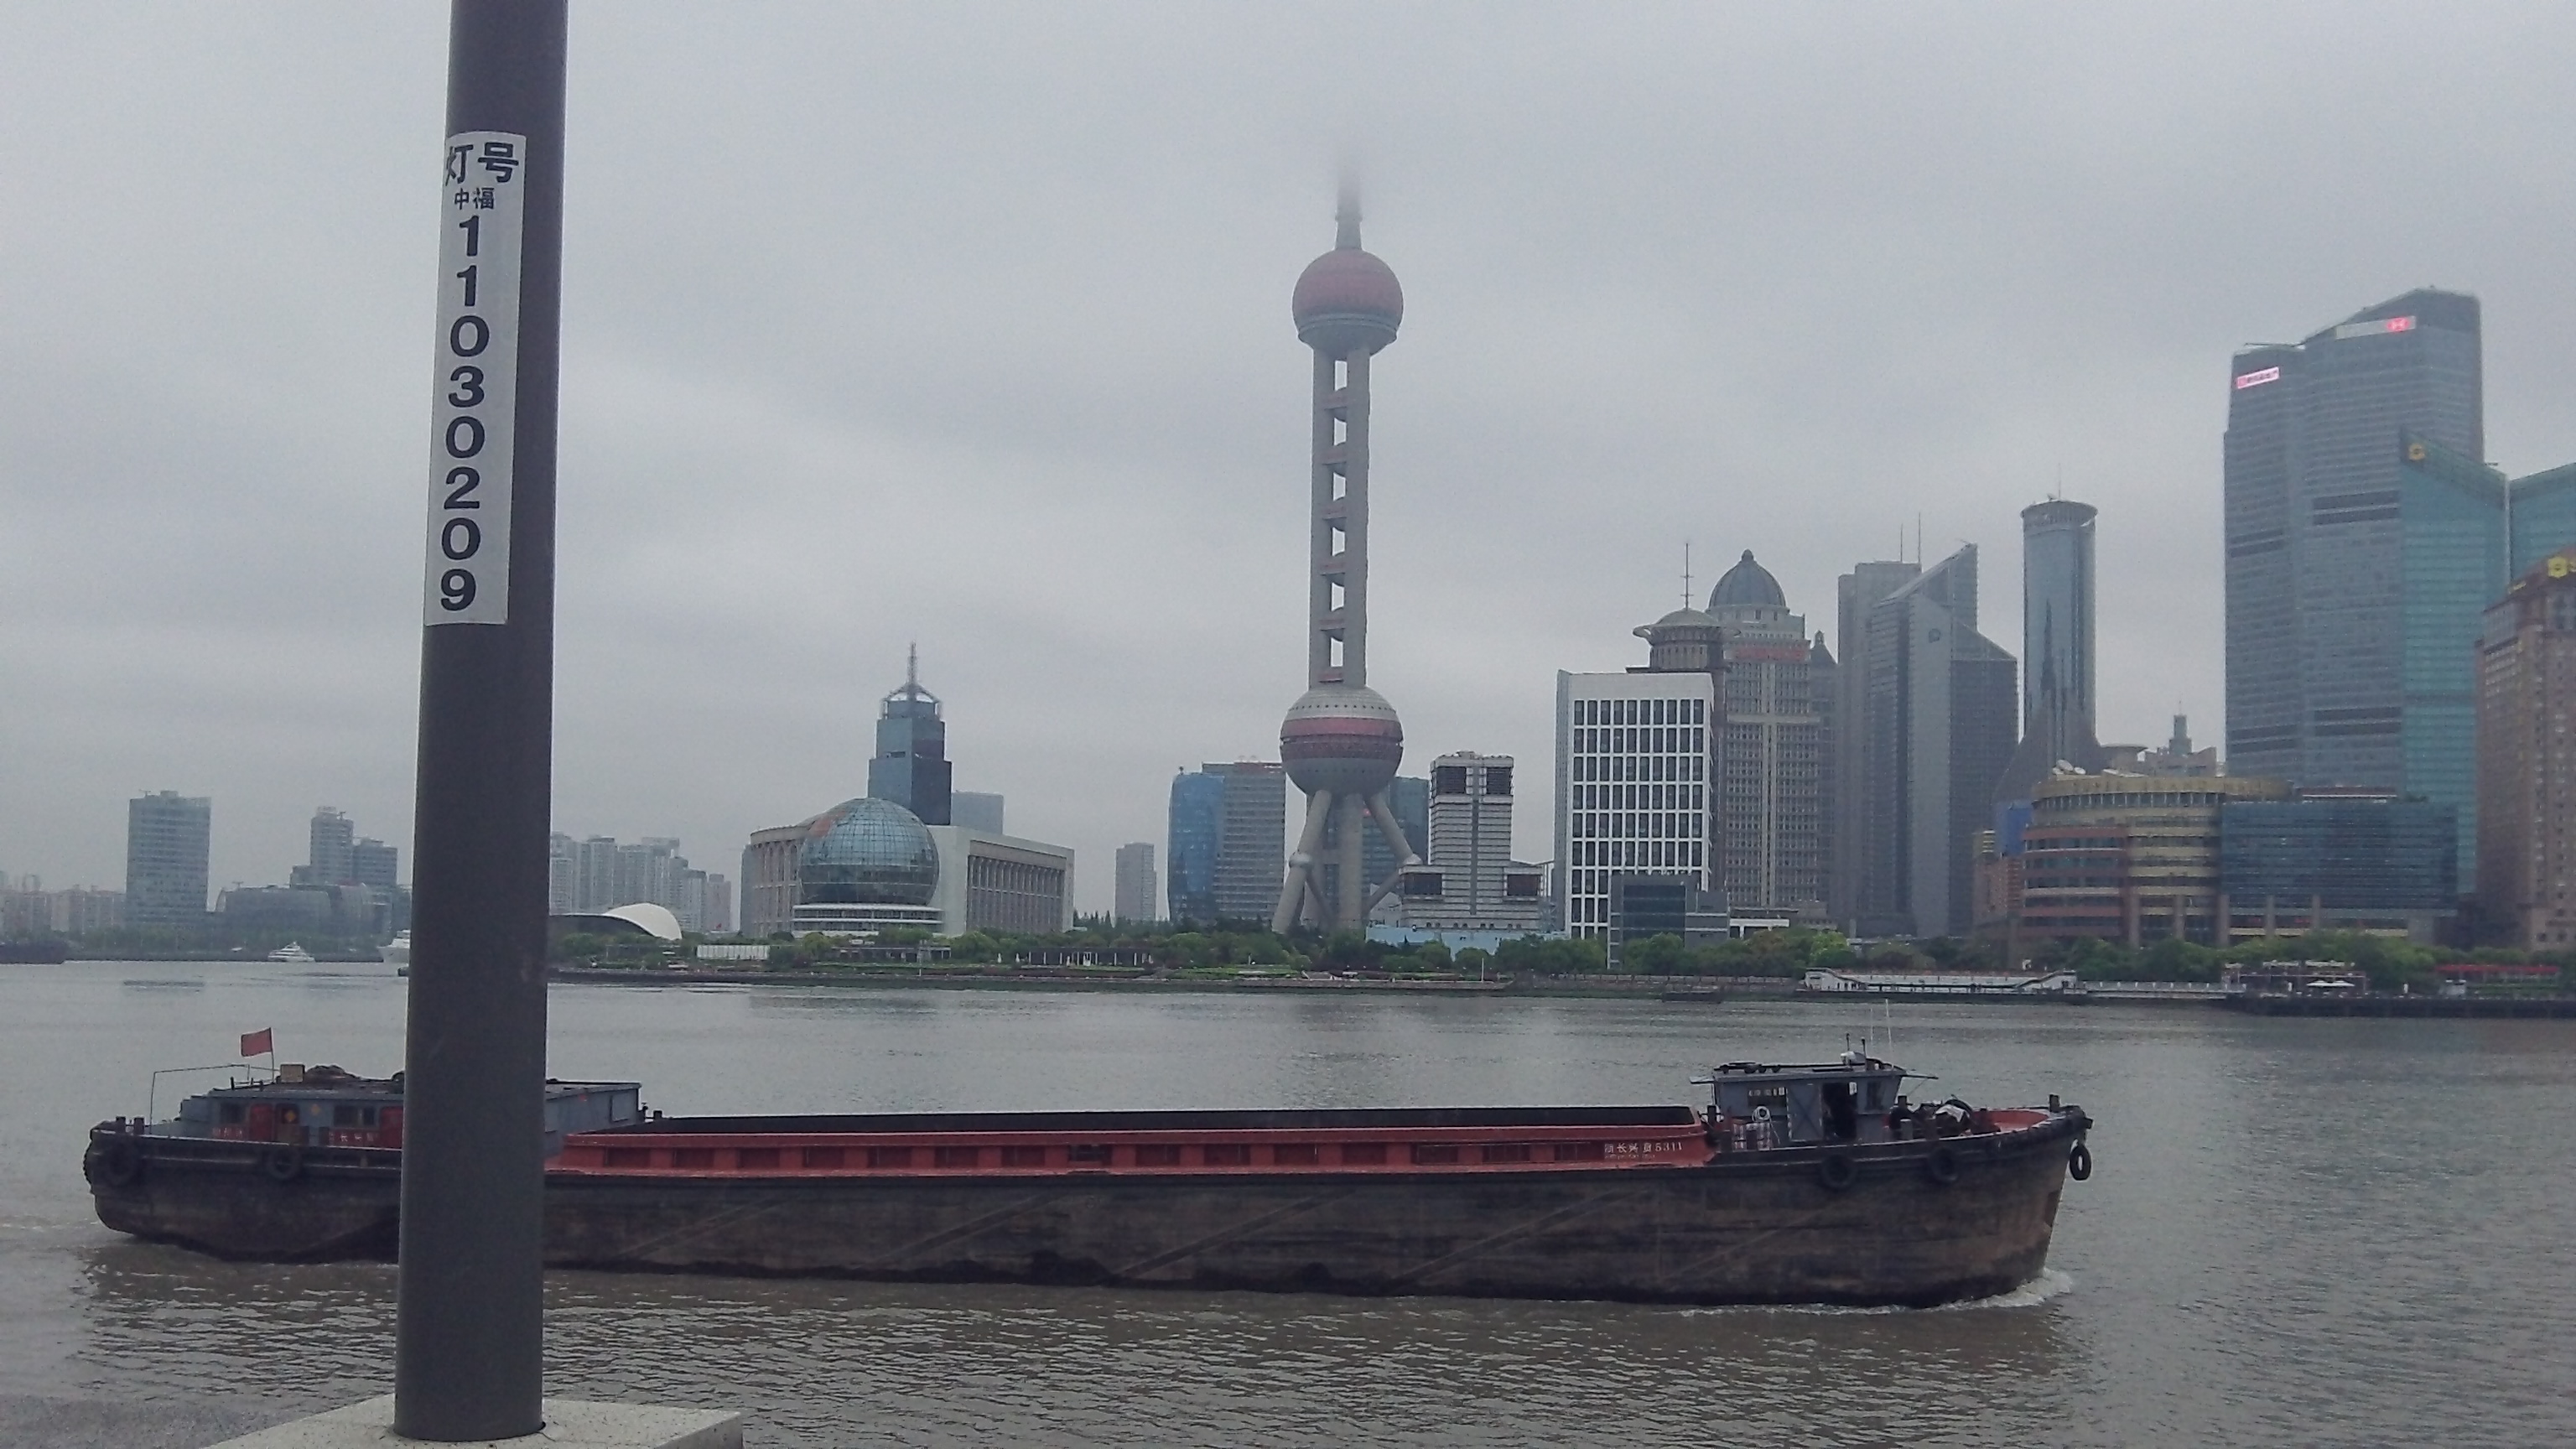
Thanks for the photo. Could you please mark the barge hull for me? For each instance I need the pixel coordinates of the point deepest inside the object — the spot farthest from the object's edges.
(1746, 1228)
(1736, 1231)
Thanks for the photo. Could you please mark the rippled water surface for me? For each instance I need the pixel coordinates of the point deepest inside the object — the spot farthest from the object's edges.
(2320, 1232)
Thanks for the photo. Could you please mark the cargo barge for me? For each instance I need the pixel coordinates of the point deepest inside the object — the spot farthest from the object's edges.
(1810, 1183)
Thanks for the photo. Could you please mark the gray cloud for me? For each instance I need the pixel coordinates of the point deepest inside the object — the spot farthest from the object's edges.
(970, 325)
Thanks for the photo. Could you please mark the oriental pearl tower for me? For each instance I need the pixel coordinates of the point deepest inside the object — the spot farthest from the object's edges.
(1341, 741)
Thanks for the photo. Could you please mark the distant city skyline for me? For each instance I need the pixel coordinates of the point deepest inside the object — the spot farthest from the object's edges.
(2003, 254)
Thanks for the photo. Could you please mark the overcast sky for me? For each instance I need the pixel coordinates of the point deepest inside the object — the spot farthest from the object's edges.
(969, 325)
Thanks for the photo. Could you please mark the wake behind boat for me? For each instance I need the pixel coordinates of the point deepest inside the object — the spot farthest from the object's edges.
(1796, 1184)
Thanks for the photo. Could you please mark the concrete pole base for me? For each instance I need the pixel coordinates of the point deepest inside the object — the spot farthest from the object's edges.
(570, 1424)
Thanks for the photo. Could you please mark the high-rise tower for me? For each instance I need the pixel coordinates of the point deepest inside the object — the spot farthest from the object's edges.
(2328, 543)
(2056, 647)
(911, 765)
(1341, 741)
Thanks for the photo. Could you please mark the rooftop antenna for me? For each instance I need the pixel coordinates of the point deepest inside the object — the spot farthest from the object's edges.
(912, 665)
(1686, 574)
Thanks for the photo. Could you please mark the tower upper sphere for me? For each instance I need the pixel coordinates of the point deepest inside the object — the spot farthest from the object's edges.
(1347, 300)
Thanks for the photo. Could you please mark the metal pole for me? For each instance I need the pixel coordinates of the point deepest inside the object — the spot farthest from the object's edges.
(469, 1331)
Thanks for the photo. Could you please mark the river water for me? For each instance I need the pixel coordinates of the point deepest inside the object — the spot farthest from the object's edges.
(2298, 1232)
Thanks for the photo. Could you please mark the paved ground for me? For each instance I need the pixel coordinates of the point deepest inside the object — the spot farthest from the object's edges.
(84, 1424)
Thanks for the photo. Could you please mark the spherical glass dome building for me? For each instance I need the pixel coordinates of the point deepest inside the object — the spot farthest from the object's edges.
(867, 852)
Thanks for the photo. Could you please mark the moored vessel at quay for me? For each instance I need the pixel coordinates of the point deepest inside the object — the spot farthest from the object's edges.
(1806, 1183)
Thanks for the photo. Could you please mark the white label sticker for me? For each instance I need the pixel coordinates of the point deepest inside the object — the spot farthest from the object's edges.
(474, 400)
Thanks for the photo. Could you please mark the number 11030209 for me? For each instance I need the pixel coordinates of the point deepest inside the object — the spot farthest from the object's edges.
(475, 395)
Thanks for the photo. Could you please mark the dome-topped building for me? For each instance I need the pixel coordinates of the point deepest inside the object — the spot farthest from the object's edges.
(866, 864)
(1684, 641)
(1748, 583)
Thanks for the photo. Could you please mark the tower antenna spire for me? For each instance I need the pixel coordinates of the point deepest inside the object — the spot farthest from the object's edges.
(912, 665)
(1346, 215)
(1687, 590)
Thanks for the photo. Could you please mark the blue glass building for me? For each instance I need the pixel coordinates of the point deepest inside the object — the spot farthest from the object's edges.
(2339, 861)
(2322, 547)
(1196, 830)
(2463, 531)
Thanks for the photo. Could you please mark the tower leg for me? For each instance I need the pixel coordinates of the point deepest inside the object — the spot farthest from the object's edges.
(1354, 873)
(1301, 864)
(1384, 810)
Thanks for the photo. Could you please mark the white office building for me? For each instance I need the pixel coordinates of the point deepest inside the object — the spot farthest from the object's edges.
(1634, 754)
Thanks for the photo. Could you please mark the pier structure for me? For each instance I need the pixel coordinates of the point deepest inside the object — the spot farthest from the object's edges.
(1341, 740)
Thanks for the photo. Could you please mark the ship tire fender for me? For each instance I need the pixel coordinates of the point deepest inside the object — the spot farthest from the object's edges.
(1835, 1171)
(1942, 1166)
(282, 1163)
(2079, 1162)
(120, 1162)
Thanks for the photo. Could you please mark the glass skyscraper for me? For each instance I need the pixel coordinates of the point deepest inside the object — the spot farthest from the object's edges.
(2328, 539)
(1227, 841)
(1196, 827)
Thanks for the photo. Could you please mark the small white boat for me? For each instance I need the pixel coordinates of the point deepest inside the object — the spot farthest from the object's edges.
(291, 951)
(396, 952)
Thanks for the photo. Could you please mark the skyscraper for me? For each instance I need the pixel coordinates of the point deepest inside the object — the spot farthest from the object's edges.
(1933, 733)
(1635, 753)
(1855, 594)
(1228, 829)
(376, 865)
(1341, 740)
(2365, 539)
(331, 839)
(1133, 899)
(2526, 832)
(1251, 848)
(1470, 883)
(2057, 721)
(911, 764)
(166, 841)
(2319, 535)
(1194, 830)
(1772, 748)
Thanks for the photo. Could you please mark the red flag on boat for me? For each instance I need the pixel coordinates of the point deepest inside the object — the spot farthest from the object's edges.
(258, 1043)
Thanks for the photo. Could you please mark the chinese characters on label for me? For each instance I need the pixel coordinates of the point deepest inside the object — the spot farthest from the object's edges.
(475, 393)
